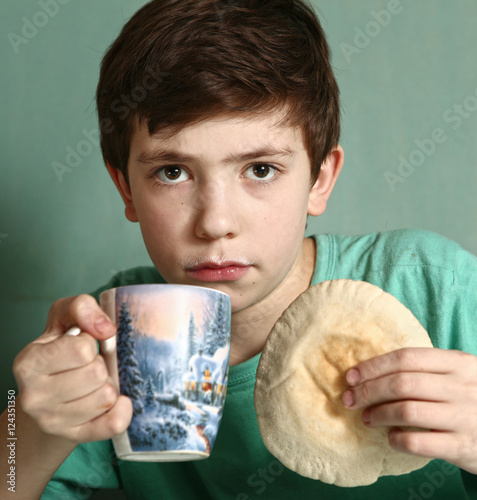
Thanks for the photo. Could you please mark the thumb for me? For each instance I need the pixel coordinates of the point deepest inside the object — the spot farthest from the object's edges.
(81, 311)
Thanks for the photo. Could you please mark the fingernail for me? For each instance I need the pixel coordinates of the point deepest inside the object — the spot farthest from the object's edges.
(353, 376)
(348, 399)
(103, 325)
(366, 418)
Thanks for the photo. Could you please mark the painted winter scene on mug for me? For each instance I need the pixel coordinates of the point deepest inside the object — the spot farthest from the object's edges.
(173, 345)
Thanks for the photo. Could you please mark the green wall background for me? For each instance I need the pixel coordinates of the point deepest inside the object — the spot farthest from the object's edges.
(402, 76)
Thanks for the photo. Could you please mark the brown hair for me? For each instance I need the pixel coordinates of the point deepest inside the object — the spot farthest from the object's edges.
(178, 62)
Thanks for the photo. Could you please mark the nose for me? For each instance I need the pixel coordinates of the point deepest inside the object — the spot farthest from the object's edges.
(217, 212)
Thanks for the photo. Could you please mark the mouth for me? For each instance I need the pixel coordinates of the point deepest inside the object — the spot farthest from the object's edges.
(215, 270)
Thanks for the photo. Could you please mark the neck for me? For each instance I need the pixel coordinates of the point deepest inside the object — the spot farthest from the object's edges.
(250, 327)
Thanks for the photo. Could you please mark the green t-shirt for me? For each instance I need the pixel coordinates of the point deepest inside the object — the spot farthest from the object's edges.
(432, 276)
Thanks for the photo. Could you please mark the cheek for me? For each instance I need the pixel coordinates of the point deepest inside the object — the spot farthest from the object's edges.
(285, 214)
(160, 225)
(158, 213)
(280, 233)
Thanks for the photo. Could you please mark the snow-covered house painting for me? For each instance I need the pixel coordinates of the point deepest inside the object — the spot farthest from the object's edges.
(206, 380)
(173, 348)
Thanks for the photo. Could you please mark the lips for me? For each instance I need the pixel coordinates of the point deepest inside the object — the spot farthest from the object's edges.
(214, 271)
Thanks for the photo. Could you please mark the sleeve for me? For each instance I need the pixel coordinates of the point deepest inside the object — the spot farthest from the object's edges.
(438, 282)
(447, 299)
(89, 467)
(435, 278)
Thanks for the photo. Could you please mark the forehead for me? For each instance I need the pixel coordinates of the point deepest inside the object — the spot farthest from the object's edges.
(227, 132)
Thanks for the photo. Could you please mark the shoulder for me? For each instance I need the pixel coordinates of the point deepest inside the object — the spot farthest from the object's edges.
(383, 251)
(401, 262)
(431, 275)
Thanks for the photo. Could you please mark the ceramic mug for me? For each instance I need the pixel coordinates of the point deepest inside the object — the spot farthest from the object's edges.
(170, 357)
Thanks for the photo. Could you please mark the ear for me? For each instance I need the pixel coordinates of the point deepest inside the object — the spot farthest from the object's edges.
(124, 191)
(323, 187)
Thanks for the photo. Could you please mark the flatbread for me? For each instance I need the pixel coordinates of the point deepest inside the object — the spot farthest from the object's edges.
(301, 379)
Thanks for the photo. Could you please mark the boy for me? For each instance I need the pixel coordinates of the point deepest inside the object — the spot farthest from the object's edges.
(220, 128)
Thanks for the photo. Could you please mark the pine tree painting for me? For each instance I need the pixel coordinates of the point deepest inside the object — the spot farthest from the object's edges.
(130, 379)
(222, 322)
(191, 338)
(217, 326)
(150, 396)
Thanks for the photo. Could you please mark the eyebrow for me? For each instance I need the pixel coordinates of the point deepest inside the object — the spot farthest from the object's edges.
(172, 156)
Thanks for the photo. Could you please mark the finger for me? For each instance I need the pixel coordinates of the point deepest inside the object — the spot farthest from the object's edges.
(50, 394)
(74, 384)
(82, 410)
(417, 359)
(399, 386)
(59, 419)
(82, 311)
(422, 414)
(432, 444)
(64, 353)
(75, 352)
(107, 425)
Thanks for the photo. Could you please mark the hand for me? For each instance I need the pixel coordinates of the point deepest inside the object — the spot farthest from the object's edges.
(433, 389)
(63, 381)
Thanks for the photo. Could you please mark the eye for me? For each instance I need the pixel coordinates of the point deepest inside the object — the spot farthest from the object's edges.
(261, 171)
(172, 174)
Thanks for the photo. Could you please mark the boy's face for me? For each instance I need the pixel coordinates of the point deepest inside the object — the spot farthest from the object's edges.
(223, 203)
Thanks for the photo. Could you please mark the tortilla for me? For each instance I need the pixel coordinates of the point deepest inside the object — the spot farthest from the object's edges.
(301, 379)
